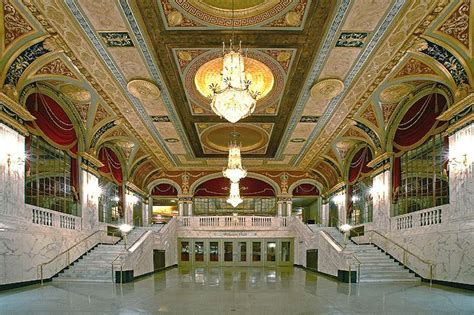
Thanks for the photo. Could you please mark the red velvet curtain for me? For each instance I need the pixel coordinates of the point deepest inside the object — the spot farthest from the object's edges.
(418, 123)
(111, 164)
(359, 164)
(52, 122)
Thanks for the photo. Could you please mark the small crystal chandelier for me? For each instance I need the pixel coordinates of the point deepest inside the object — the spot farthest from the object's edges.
(234, 195)
(233, 100)
(234, 171)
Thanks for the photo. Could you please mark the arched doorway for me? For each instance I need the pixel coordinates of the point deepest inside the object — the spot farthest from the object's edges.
(164, 203)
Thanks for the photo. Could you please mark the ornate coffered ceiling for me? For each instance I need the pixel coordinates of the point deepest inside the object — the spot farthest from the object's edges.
(332, 74)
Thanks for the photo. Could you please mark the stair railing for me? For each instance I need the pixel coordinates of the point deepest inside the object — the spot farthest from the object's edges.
(67, 252)
(406, 252)
(352, 255)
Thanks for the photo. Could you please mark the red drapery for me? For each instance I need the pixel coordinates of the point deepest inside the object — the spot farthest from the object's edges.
(418, 123)
(164, 190)
(52, 122)
(359, 164)
(111, 164)
(306, 190)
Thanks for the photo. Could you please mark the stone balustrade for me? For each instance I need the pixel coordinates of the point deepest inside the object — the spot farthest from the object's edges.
(52, 218)
(233, 222)
(420, 218)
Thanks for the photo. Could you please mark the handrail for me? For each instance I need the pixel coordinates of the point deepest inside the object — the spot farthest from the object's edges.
(351, 254)
(405, 251)
(67, 251)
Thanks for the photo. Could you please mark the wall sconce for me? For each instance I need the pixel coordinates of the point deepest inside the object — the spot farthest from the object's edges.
(132, 199)
(115, 198)
(339, 199)
(461, 154)
(93, 190)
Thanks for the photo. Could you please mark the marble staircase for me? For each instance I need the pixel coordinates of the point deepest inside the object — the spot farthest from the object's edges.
(95, 266)
(376, 265)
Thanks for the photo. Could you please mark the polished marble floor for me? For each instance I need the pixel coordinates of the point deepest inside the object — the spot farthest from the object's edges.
(236, 290)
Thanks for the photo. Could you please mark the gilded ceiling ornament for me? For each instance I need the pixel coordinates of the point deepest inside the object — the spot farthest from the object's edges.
(127, 147)
(283, 56)
(15, 25)
(343, 147)
(10, 91)
(327, 89)
(184, 55)
(175, 18)
(419, 44)
(292, 19)
(143, 89)
(414, 67)
(394, 93)
(57, 66)
(75, 93)
(457, 26)
(51, 44)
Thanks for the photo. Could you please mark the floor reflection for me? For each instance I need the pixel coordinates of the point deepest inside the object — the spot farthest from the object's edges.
(236, 290)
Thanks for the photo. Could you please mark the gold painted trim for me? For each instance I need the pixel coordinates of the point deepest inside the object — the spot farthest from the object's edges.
(457, 107)
(466, 120)
(15, 124)
(16, 107)
(90, 158)
(134, 187)
(335, 188)
(379, 159)
(91, 170)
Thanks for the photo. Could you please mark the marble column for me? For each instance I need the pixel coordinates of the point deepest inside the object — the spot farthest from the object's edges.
(89, 200)
(289, 206)
(381, 201)
(12, 175)
(185, 205)
(280, 208)
(325, 214)
(129, 201)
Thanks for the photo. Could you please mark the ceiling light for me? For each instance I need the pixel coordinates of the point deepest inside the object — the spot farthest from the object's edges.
(234, 170)
(234, 195)
(233, 100)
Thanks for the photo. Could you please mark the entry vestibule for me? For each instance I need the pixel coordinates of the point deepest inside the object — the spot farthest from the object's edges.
(236, 252)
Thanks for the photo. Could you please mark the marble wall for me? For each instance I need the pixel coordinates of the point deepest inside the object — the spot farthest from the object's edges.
(89, 200)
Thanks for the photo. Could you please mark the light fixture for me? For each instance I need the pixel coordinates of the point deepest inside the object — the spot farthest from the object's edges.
(355, 198)
(125, 228)
(339, 199)
(233, 100)
(345, 228)
(461, 154)
(234, 195)
(234, 171)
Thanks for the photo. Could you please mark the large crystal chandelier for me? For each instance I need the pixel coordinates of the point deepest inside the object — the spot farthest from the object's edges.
(234, 195)
(233, 100)
(234, 170)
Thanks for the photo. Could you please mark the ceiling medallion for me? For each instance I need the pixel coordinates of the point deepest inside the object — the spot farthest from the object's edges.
(327, 89)
(234, 171)
(143, 89)
(234, 195)
(233, 100)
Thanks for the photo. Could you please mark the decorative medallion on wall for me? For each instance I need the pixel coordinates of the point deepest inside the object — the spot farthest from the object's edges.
(116, 39)
(351, 40)
(394, 93)
(143, 90)
(75, 93)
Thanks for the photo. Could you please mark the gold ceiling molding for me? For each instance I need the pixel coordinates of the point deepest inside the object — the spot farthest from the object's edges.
(252, 138)
(143, 89)
(90, 158)
(40, 12)
(457, 107)
(255, 71)
(377, 69)
(243, 9)
(327, 89)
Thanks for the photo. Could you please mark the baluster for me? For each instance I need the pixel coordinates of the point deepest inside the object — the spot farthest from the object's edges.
(439, 214)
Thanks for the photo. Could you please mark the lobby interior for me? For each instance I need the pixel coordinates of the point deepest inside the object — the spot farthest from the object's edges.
(240, 156)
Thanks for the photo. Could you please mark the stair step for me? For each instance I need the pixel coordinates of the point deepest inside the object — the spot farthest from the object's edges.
(390, 280)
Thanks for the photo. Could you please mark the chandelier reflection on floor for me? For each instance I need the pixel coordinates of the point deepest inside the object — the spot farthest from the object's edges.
(233, 100)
